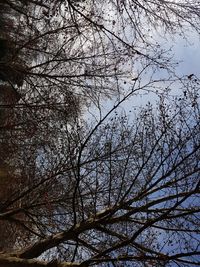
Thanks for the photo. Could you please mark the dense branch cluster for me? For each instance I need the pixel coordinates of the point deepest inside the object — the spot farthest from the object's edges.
(124, 189)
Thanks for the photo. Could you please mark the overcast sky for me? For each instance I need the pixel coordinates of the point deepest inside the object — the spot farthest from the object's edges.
(189, 54)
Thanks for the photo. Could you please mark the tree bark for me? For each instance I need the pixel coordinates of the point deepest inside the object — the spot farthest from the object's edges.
(9, 261)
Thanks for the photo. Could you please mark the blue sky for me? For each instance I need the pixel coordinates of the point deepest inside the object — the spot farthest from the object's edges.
(186, 51)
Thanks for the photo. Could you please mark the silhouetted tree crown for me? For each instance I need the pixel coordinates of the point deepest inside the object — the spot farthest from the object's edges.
(84, 182)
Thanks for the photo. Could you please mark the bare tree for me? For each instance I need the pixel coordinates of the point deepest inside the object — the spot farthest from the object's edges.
(90, 48)
(121, 192)
(118, 192)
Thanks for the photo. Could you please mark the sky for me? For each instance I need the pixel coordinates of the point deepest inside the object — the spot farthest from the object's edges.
(184, 51)
(189, 54)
